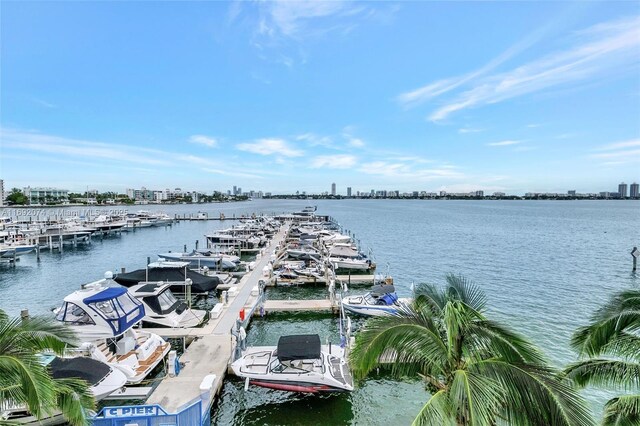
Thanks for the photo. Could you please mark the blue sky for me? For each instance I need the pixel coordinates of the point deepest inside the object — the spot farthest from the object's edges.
(286, 96)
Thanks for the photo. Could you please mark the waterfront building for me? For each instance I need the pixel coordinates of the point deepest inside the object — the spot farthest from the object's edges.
(622, 190)
(635, 190)
(348, 191)
(571, 193)
(333, 189)
(42, 195)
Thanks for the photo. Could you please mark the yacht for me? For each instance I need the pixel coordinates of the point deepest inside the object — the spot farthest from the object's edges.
(103, 318)
(162, 308)
(298, 364)
(382, 300)
(103, 380)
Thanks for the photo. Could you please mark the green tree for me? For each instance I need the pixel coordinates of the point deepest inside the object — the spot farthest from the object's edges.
(478, 371)
(25, 380)
(17, 197)
(610, 346)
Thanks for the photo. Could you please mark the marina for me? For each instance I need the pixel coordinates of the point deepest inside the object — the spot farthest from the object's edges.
(203, 382)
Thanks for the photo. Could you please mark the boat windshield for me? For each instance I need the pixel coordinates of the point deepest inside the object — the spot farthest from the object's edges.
(166, 300)
(73, 314)
(120, 312)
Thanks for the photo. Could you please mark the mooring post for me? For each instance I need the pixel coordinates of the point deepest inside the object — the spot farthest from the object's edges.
(635, 253)
(38, 251)
(197, 242)
(185, 248)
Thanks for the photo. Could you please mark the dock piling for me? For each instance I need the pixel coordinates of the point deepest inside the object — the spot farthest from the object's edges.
(635, 253)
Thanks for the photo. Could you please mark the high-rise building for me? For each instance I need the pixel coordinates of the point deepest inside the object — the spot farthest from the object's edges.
(333, 189)
(348, 191)
(622, 190)
(235, 190)
(1, 192)
(571, 193)
(635, 190)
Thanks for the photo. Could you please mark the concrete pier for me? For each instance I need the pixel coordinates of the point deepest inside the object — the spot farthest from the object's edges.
(210, 353)
(324, 305)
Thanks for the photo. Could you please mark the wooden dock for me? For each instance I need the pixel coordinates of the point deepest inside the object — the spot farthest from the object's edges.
(324, 305)
(211, 352)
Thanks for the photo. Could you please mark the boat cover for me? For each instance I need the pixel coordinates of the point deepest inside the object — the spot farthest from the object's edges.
(389, 298)
(341, 251)
(107, 294)
(79, 368)
(303, 346)
(200, 283)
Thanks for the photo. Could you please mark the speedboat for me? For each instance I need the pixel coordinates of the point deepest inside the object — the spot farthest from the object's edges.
(162, 308)
(382, 300)
(103, 380)
(202, 258)
(103, 318)
(351, 263)
(10, 251)
(298, 364)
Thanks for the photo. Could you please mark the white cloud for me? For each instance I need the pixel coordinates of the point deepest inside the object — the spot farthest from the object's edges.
(292, 18)
(408, 171)
(342, 161)
(504, 143)
(204, 140)
(270, 146)
(617, 145)
(469, 130)
(601, 49)
(315, 140)
(617, 153)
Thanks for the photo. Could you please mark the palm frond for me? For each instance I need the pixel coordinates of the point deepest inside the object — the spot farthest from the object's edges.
(591, 340)
(476, 400)
(74, 400)
(463, 289)
(405, 343)
(625, 300)
(36, 389)
(436, 412)
(605, 372)
(622, 411)
(534, 395)
(489, 339)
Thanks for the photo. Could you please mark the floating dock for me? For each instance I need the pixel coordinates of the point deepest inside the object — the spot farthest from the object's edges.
(324, 305)
(208, 357)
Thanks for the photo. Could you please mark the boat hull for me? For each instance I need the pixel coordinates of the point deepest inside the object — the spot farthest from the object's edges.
(299, 387)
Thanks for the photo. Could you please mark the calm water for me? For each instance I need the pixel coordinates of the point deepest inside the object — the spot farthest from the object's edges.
(545, 266)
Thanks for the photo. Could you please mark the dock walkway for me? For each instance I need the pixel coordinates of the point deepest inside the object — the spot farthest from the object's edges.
(211, 352)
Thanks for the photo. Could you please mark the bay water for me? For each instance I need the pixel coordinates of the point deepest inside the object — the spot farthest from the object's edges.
(545, 266)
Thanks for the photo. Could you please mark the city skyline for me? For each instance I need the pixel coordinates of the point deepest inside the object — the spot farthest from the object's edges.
(291, 96)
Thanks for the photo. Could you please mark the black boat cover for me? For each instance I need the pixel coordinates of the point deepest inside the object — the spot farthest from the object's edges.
(303, 346)
(79, 368)
(200, 283)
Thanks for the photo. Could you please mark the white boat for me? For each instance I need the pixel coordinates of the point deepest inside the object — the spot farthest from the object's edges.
(9, 251)
(103, 380)
(298, 364)
(351, 263)
(103, 318)
(381, 301)
(162, 308)
(202, 258)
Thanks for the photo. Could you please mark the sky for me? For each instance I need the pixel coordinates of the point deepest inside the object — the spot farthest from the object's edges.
(292, 96)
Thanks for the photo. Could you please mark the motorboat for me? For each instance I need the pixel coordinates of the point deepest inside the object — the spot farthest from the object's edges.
(9, 251)
(202, 258)
(162, 308)
(351, 263)
(103, 318)
(382, 300)
(102, 378)
(175, 273)
(298, 364)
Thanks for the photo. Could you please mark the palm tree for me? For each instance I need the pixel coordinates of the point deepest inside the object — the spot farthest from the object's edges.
(477, 371)
(24, 380)
(611, 346)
